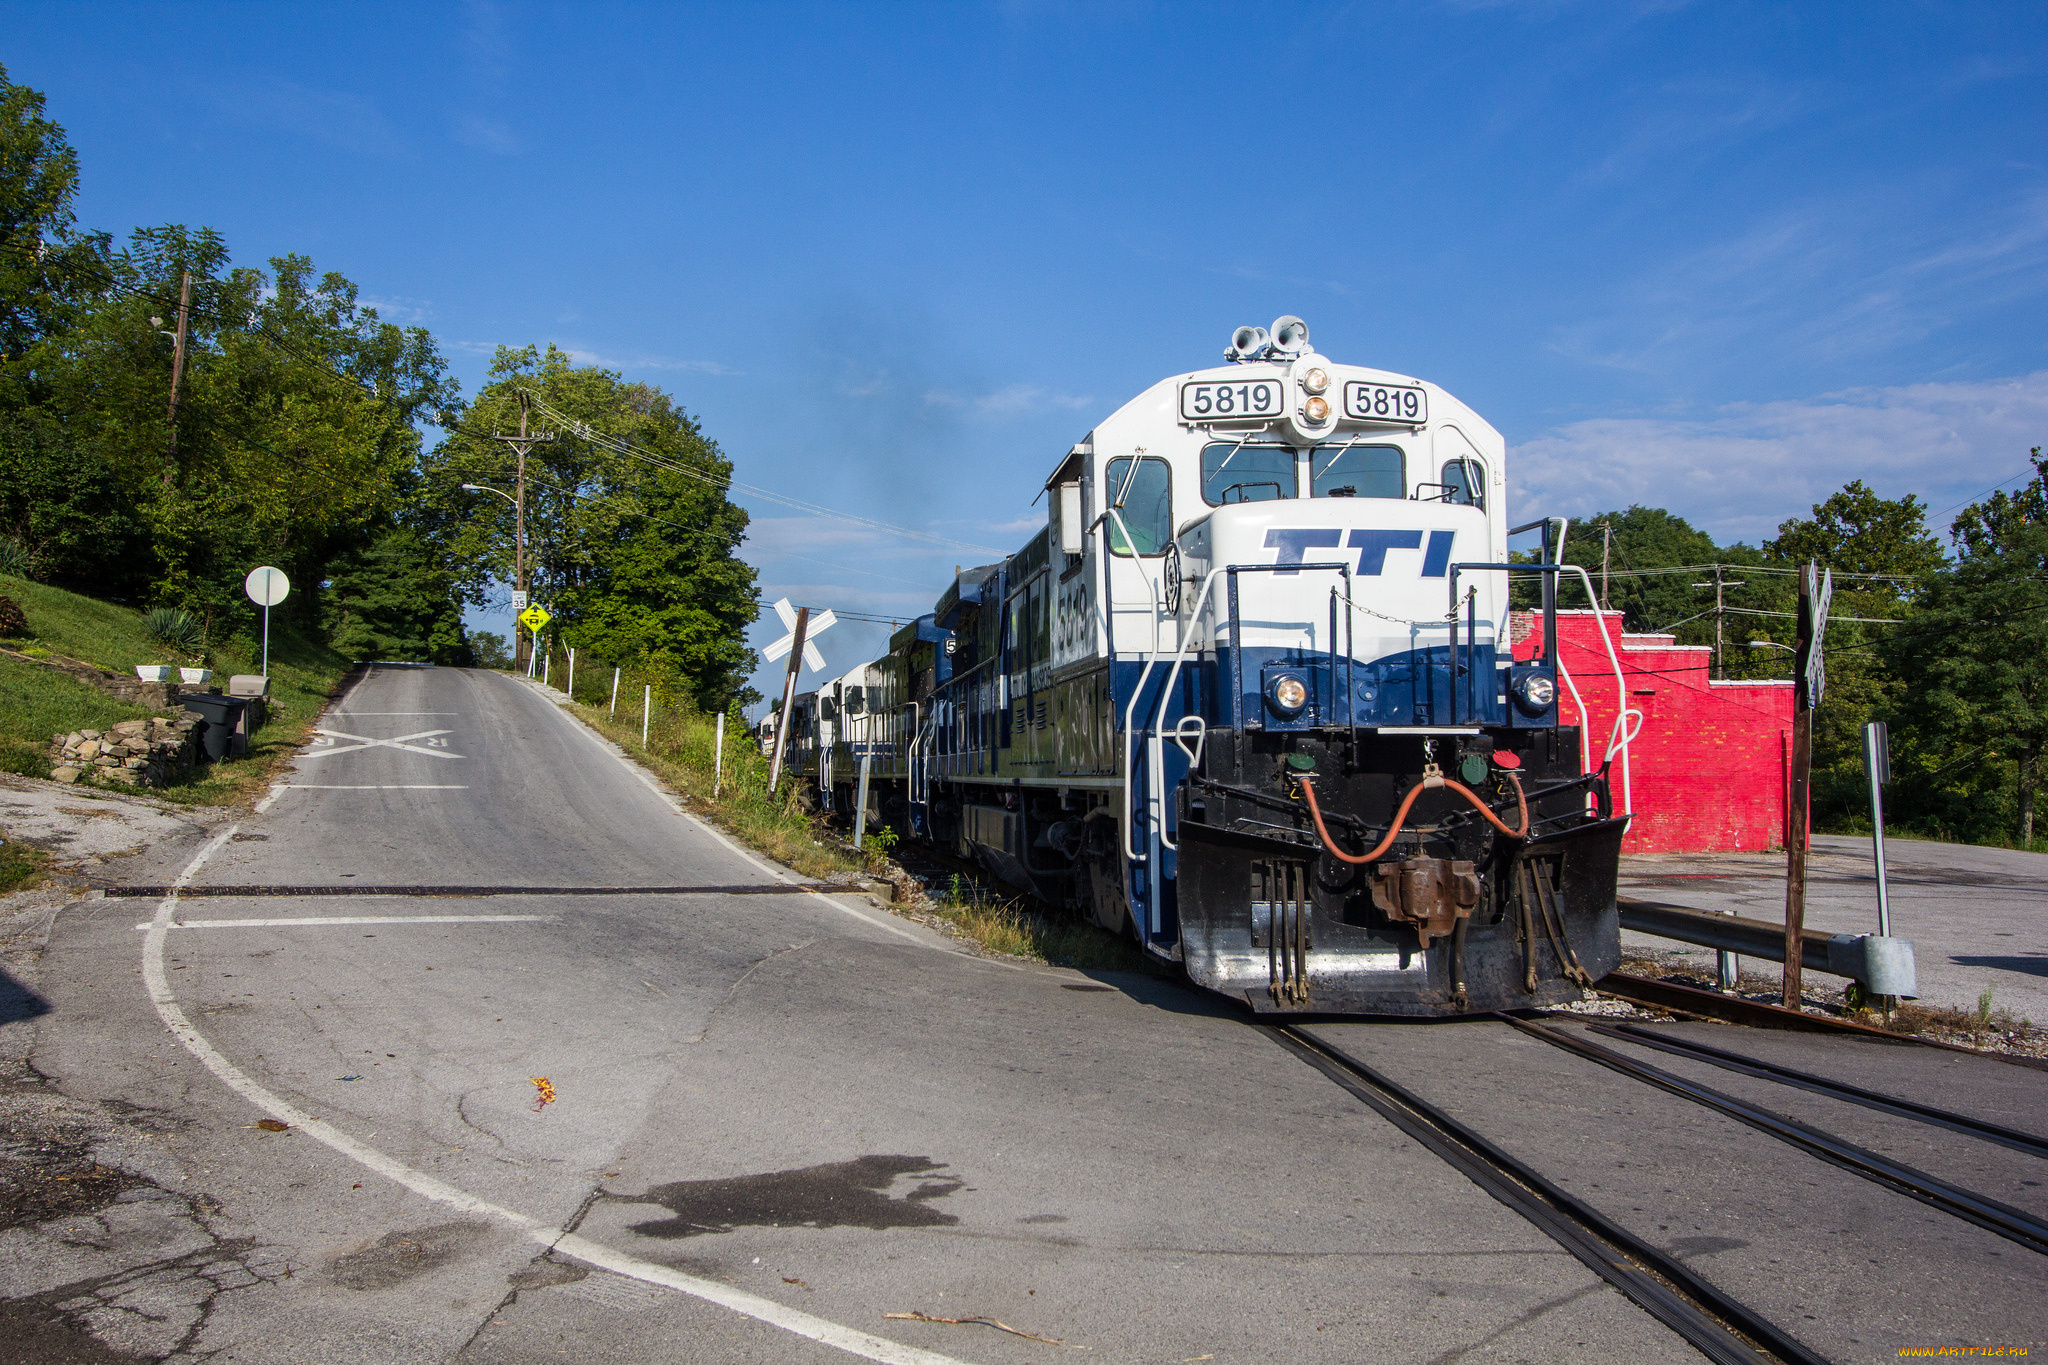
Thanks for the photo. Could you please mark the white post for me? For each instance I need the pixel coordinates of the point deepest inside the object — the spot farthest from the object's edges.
(546, 664)
(266, 649)
(646, 710)
(860, 802)
(572, 673)
(615, 689)
(718, 756)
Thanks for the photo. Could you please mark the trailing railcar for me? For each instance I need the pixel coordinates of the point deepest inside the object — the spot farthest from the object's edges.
(1255, 696)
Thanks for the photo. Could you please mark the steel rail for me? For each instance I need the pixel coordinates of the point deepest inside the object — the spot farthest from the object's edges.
(1719, 1327)
(1821, 1085)
(2013, 1224)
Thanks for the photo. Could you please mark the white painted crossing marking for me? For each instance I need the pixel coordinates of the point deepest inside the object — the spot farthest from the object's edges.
(376, 786)
(156, 979)
(317, 921)
(361, 742)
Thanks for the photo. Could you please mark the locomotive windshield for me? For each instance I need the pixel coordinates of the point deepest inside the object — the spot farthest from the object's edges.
(1236, 472)
(1357, 472)
(1147, 509)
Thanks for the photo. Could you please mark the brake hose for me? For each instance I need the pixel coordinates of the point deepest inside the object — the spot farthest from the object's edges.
(1429, 779)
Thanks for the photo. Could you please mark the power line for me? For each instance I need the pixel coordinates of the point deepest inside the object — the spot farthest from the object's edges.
(726, 481)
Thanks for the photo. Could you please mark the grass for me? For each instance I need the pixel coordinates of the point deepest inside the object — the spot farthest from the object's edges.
(37, 702)
(1012, 925)
(21, 866)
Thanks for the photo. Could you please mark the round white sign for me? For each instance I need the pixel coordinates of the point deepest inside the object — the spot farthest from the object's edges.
(266, 586)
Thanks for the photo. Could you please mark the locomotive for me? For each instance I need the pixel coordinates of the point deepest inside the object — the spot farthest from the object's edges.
(1257, 696)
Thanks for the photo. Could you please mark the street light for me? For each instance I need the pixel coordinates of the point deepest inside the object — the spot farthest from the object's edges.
(1771, 644)
(518, 549)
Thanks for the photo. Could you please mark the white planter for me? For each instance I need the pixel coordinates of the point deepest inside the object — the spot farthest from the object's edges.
(153, 672)
(196, 675)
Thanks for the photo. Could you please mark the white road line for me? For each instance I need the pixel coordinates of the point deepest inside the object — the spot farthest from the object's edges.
(351, 715)
(827, 1333)
(375, 787)
(364, 742)
(355, 919)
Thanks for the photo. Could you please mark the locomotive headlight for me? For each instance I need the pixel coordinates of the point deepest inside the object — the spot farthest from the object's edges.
(1288, 694)
(1536, 692)
(1316, 410)
(1316, 380)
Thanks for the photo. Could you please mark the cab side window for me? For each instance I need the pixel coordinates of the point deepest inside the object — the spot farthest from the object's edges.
(1464, 483)
(1147, 510)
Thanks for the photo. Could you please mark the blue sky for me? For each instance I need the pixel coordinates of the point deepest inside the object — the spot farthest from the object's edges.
(1714, 257)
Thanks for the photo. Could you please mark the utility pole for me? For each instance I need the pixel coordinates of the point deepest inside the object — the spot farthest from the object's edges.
(521, 443)
(1804, 700)
(1606, 541)
(782, 726)
(177, 373)
(1720, 667)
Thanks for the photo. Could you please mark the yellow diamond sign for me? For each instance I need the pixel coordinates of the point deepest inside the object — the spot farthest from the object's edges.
(535, 618)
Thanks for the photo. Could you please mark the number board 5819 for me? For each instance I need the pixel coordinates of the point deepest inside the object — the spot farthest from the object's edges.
(1404, 403)
(1246, 400)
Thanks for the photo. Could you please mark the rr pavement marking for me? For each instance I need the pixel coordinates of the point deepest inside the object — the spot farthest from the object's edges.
(363, 742)
(849, 1339)
(319, 920)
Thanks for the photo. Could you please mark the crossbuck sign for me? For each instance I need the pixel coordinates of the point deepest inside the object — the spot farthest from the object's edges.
(820, 623)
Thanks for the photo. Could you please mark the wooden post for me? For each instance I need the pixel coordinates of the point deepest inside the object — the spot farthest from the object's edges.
(782, 727)
(1797, 822)
(177, 373)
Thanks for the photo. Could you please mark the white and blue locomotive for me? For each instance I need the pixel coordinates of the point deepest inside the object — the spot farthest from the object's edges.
(1254, 696)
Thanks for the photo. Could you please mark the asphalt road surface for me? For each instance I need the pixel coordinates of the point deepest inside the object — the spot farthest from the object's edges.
(779, 1117)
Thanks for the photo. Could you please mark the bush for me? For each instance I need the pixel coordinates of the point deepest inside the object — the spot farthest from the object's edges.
(173, 629)
(24, 760)
(14, 559)
(13, 620)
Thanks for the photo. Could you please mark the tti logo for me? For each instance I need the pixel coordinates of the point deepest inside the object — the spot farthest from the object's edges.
(1372, 547)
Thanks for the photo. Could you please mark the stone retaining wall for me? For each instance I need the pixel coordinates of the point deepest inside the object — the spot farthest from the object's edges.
(144, 753)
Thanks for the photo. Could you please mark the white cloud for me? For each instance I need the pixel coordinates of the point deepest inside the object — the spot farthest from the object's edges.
(1740, 472)
(405, 312)
(487, 135)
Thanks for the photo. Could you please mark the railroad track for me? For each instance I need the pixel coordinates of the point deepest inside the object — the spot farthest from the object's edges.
(1722, 1328)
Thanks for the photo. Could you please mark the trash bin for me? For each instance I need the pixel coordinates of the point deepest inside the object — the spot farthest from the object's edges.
(219, 737)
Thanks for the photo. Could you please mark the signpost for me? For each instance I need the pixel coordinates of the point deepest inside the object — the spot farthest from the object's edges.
(1815, 593)
(266, 588)
(797, 645)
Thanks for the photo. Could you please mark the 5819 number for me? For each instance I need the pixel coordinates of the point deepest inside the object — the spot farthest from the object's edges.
(1385, 403)
(1210, 402)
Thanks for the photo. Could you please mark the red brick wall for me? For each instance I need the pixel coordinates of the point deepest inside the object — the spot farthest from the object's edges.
(1709, 761)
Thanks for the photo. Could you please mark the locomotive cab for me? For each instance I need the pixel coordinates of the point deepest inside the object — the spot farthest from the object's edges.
(1260, 694)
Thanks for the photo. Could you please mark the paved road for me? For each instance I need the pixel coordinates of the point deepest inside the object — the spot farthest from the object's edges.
(1978, 917)
(780, 1117)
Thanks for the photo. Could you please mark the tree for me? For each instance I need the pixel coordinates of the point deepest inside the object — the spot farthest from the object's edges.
(1880, 552)
(393, 600)
(630, 536)
(1971, 672)
(48, 269)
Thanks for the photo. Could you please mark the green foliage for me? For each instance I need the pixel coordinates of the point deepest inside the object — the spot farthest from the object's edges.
(48, 269)
(489, 650)
(1880, 551)
(13, 559)
(173, 629)
(1972, 687)
(394, 601)
(633, 554)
